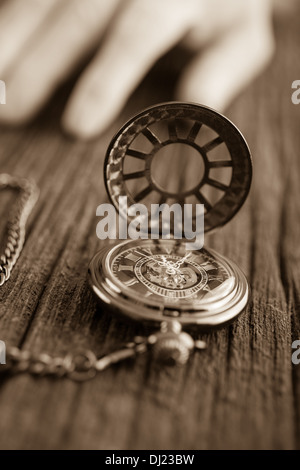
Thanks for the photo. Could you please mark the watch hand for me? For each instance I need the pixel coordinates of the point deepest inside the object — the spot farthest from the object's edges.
(170, 265)
(182, 260)
(161, 263)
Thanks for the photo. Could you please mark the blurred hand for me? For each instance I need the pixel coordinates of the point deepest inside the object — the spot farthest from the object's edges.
(42, 41)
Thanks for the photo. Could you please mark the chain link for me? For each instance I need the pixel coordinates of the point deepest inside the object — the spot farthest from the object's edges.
(16, 224)
(81, 365)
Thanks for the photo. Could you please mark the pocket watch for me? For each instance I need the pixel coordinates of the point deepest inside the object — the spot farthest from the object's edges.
(175, 153)
(172, 153)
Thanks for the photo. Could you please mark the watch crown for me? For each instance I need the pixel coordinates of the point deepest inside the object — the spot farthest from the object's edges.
(171, 345)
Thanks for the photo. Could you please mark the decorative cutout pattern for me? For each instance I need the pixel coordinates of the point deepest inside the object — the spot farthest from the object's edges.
(195, 116)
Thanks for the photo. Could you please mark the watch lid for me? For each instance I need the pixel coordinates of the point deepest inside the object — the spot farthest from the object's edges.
(181, 153)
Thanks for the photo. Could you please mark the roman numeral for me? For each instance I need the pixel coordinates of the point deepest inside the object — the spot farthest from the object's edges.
(131, 282)
(123, 267)
(145, 252)
(207, 266)
(195, 258)
(132, 257)
(216, 278)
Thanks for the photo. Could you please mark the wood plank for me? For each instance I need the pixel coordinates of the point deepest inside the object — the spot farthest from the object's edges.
(241, 392)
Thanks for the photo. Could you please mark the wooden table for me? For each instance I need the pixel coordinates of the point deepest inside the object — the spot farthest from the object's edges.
(243, 391)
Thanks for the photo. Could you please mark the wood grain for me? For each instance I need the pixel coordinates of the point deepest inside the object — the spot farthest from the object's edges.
(242, 392)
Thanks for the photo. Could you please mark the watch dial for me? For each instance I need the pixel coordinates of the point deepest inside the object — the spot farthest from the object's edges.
(164, 271)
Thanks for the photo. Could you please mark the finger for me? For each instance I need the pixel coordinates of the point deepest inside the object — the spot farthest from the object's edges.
(57, 47)
(217, 76)
(18, 21)
(140, 35)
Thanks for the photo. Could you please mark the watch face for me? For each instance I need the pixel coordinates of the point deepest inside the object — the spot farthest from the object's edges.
(151, 279)
(166, 272)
